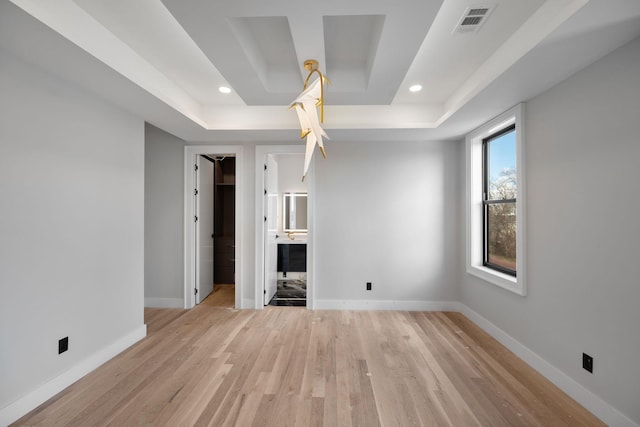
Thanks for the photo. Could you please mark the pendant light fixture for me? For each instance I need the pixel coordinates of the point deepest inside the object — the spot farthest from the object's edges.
(306, 105)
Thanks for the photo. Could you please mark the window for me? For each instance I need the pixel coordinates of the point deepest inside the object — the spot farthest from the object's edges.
(495, 202)
(499, 195)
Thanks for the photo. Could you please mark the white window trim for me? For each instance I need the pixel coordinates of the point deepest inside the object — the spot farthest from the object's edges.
(474, 202)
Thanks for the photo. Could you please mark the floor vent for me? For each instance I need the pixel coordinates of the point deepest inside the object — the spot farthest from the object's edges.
(472, 19)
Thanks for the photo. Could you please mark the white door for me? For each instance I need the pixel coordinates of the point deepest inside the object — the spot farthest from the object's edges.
(271, 230)
(204, 228)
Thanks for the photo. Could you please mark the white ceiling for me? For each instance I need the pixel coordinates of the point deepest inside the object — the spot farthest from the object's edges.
(164, 60)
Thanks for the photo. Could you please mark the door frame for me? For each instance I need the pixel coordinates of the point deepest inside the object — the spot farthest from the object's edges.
(261, 154)
(189, 249)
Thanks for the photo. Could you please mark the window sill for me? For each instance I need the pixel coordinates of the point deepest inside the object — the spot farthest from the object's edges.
(497, 278)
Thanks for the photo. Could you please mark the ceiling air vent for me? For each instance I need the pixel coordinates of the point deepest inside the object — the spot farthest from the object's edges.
(473, 19)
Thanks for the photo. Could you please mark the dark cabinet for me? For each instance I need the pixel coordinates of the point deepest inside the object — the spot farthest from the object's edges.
(292, 257)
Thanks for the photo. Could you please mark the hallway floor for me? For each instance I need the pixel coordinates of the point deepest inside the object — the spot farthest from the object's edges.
(222, 296)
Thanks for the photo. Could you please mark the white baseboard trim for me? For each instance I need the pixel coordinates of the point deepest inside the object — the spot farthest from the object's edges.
(23, 405)
(385, 305)
(163, 302)
(575, 390)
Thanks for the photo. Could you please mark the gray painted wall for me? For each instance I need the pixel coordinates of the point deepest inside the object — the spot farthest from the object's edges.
(400, 225)
(163, 219)
(386, 213)
(583, 205)
(71, 251)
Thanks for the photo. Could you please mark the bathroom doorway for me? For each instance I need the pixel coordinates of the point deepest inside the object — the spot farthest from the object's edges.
(290, 202)
(284, 238)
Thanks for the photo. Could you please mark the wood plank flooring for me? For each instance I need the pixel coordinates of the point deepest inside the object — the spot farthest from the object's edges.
(286, 366)
(222, 296)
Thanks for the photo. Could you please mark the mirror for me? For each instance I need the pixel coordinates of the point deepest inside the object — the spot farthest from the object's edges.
(295, 212)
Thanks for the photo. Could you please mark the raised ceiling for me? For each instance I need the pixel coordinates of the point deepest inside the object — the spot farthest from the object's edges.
(181, 51)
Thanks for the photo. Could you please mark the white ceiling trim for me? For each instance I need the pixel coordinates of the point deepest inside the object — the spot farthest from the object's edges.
(75, 24)
(274, 117)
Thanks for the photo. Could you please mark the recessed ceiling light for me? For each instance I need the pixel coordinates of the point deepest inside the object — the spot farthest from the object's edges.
(224, 89)
(415, 88)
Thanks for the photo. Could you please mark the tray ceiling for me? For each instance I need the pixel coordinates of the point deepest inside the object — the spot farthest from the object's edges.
(181, 51)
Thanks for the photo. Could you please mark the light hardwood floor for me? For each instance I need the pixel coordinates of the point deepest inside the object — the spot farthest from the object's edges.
(222, 296)
(286, 366)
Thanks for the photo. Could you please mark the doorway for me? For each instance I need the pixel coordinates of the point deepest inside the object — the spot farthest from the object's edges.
(223, 232)
(291, 231)
(224, 215)
(214, 200)
(205, 247)
(284, 249)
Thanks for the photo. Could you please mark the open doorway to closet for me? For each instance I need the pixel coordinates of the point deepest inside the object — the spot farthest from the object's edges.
(212, 193)
(214, 200)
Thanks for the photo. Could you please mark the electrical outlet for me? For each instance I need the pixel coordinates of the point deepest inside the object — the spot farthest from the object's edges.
(368, 286)
(63, 345)
(587, 362)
